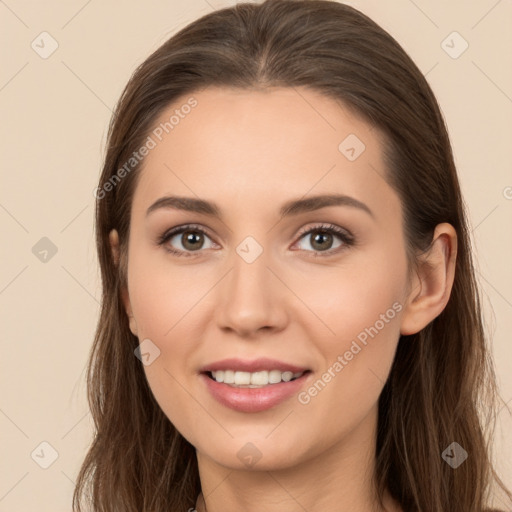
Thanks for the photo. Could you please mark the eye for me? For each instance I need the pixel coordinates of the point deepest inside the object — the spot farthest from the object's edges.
(325, 235)
(191, 238)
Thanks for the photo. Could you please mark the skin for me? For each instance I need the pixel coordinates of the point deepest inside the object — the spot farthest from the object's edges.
(249, 152)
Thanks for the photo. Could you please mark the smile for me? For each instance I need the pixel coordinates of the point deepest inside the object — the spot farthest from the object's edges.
(253, 398)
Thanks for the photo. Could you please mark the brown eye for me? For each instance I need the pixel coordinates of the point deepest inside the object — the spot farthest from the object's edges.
(185, 240)
(322, 239)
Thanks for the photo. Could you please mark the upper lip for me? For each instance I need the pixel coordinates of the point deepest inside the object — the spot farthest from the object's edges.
(254, 365)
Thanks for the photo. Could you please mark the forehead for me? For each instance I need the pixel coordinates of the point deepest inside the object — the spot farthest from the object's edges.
(242, 145)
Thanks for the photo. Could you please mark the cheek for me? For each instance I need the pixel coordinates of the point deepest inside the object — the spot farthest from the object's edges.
(161, 304)
(163, 310)
(360, 308)
(161, 294)
(166, 302)
(357, 295)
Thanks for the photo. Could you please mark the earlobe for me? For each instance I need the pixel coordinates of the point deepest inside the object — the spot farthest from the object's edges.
(125, 297)
(128, 308)
(113, 237)
(432, 288)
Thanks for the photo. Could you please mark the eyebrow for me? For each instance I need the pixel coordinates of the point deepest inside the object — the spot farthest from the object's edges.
(293, 207)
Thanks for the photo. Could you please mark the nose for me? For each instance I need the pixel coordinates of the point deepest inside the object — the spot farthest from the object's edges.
(251, 298)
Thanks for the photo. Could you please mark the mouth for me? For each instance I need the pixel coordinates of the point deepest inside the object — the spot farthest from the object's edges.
(254, 392)
(259, 379)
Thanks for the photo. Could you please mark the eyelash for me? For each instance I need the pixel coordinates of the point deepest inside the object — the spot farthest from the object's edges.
(346, 238)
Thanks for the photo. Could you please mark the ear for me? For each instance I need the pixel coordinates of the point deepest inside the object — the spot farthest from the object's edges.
(125, 297)
(432, 285)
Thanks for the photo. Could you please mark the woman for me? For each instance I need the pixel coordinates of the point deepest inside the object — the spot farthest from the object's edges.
(240, 365)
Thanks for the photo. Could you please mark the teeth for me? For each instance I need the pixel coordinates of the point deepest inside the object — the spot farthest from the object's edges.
(274, 376)
(229, 377)
(242, 378)
(255, 379)
(287, 376)
(258, 378)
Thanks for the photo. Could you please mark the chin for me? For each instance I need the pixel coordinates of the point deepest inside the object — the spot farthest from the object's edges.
(258, 454)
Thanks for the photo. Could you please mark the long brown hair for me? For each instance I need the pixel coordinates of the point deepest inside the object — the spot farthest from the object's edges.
(441, 388)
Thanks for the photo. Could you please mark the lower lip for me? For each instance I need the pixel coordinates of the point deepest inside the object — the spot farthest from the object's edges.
(253, 399)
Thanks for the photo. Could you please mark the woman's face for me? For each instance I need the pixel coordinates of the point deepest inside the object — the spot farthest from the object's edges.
(255, 285)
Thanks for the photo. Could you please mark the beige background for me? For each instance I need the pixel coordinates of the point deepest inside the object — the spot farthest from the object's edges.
(55, 113)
